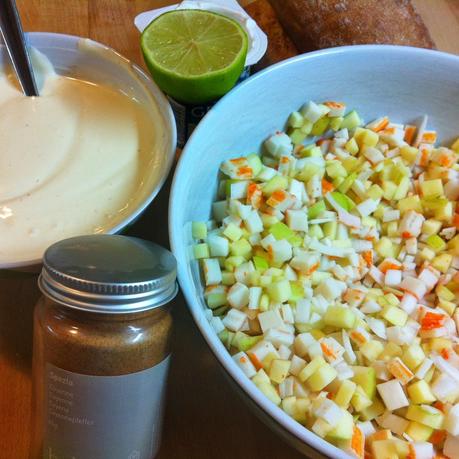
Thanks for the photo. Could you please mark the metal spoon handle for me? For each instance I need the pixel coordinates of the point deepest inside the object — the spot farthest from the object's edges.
(13, 36)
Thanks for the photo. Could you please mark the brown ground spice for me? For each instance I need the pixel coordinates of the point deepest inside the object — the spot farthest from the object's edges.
(101, 344)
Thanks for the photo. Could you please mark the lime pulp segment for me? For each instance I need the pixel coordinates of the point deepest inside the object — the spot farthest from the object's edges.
(192, 43)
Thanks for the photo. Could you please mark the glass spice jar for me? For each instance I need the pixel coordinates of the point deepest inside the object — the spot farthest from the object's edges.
(101, 348)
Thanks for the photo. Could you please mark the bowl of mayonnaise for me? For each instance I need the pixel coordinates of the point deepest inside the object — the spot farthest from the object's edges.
(86, 156)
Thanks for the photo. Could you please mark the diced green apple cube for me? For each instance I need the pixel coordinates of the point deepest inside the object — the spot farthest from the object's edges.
(419, 393)
(410, 203)
(278, 182)
(295, 120)
(351, 120)
(279, 370)
(281, 231)
(199, 230)
(335, 123)
(201, 251)
(322, 377)
(402, 189)
(436, 243)
(280, 291)
(215, 300)
(320, 126)
(425, 414)
(394, 315)
(366, 378)
(321, 427)
(360, 400)
(335, 169)
(343, 430)
(339, 316)
(366, 137)
(233, 232)
(418, 432)
(311, 368)
(297, 136)
(384, 449)
(345, 392)
(347, 183)
(432, 189)
(371, 350)
(315, 210)
(413, 356)
(343, 200)
(373, 411)
(270, 392)
(306, 127)
(244, 342)
(261, 264)
(241, 248)
(442, 262)
(351, 146)
(312, 111)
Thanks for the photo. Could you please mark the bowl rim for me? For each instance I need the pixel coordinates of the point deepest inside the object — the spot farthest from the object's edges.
(164, 109)
(275, 413)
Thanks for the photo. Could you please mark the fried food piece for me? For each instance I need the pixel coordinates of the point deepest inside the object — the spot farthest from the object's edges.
(280, 46)
(316, 24)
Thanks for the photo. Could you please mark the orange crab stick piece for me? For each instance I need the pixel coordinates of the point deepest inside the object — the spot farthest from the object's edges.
(429, 137)
(327, 186)
(400, 371)
(386, 265)
(411, 452)
(410, 130)
(432, 320)
(328, 351)
(333, 104)
(368, 257)
(358, 442)
(358, 337)
(379, 124)
(277, 198)
(254, 195)
(445, 160)
(438, 437)
(238, 161)
(244, 172)
(424, 159)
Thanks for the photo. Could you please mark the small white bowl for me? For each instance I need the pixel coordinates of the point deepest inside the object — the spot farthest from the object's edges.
(401, 82)
(83, 58)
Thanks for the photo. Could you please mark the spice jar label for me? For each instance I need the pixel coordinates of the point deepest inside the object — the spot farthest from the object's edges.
(100, 417)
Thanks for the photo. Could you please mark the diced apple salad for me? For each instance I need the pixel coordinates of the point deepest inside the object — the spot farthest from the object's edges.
(331, 268)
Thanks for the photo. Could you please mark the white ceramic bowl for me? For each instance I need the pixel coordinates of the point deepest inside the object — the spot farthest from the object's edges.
(401, 82)
(94, 62)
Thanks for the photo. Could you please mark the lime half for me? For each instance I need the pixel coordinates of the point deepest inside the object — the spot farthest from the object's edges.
(194, 55)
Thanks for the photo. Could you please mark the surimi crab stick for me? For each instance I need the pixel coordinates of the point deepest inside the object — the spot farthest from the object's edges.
(332, 277)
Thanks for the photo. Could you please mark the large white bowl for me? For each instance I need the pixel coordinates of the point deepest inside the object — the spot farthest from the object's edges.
(91, 61)
(401, 82)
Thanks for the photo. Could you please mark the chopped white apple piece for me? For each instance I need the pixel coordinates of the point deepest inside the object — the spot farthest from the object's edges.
(392, 395)
(244, 363)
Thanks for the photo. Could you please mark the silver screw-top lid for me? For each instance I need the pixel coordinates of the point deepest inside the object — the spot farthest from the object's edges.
(108, 273)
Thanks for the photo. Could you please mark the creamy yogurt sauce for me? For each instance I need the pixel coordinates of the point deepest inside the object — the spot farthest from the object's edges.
(71, 162)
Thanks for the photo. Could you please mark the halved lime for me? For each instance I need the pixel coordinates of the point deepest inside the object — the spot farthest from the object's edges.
(194, 55)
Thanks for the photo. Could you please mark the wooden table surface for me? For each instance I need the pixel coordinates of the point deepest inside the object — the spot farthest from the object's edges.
(205, 418)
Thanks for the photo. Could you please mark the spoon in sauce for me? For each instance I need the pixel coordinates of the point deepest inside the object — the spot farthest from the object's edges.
(13, 36)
